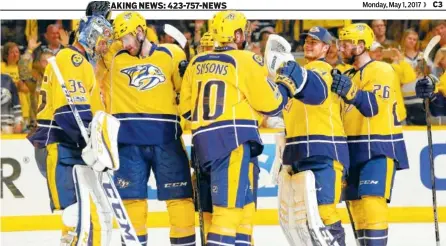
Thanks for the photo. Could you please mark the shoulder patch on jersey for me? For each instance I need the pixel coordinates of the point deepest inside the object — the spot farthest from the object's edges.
(77, 60)
(258, 59)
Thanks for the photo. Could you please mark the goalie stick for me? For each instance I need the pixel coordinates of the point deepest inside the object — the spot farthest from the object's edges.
(128, 233)
(429, 53)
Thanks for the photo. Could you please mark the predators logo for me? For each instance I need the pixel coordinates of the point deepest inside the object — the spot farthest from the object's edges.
(144, 77)
(76, 60)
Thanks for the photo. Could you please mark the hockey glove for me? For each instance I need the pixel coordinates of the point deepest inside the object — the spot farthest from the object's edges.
(293, 77)
(425, 87)
(343, 86)
(182, 67)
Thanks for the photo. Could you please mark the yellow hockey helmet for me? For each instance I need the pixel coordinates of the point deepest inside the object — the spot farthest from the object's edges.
(206, 40)
(225, 23)
(356, 32)
(127, 22)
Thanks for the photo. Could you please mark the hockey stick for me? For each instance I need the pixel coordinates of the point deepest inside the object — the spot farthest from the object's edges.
(352, 223)
(128, 233)
(198, 196)
(429, 53)
(179, 37)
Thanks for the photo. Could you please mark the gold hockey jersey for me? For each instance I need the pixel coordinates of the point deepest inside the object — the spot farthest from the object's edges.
(56, 122)
(315, 128)
(141, 94)
(372, 126)
(223, 94)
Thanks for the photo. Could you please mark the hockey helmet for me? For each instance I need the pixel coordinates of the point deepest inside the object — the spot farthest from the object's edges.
(225, 23)
(127, 22)
(92, 31)
(357, 32)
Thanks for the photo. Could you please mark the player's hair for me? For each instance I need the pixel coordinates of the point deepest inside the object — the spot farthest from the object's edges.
(5, 51)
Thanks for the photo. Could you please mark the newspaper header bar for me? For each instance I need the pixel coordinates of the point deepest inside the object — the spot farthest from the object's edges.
(261, 9)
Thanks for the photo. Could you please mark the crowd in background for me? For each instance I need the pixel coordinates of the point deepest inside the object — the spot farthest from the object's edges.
(26, 44)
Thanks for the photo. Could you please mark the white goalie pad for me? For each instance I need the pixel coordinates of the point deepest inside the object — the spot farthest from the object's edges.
(277, 52)
(102, 149)
(298, 210)
(88, 191)
(278, 159)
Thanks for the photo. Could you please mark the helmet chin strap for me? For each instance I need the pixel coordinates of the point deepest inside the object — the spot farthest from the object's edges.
(141, 42)
(353, 58)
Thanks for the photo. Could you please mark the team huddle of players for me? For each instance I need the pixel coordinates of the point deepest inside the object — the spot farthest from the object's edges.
(339, 127)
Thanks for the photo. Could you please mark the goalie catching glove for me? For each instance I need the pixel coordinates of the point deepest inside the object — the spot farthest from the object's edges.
(101, 152)
(293, 77)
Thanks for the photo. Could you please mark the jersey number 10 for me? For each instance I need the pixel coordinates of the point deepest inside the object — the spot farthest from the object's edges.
(213, 95)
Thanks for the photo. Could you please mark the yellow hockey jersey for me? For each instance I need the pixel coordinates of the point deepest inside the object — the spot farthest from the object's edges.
(223, 94)
(405, 74)
(141, 94)
(56, 122)
(317, 129)
(372, 125)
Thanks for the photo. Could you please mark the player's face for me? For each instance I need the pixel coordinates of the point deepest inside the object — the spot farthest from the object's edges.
(314, 49)
(131, 44)
(333, 51)
(411, 40)
(346, 47)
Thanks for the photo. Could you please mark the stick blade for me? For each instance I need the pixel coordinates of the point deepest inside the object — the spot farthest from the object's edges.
(431, 50)
(175, 34)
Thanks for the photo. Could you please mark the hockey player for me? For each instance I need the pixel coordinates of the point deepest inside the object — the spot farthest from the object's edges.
(58, 138)
(317, 141)
(430, 88)
(207, 45)
(223, 94)
(141, 91)
(374, 134)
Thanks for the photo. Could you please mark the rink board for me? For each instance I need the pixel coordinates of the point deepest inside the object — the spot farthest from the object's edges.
(25, 202)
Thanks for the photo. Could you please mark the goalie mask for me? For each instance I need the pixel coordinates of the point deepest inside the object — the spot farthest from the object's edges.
(94, 32)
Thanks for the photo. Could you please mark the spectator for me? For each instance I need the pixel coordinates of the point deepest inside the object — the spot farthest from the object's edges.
(55, 37)
(410, 47)
(11, 112)
(440, 29)
(28, 75)
(10, 59)
(379, 29)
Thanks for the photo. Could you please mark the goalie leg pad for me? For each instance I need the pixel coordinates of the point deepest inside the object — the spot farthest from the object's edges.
(94, 209)
(298, 210)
